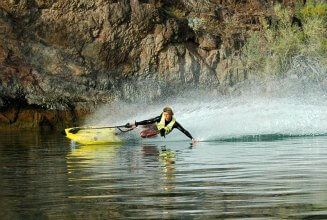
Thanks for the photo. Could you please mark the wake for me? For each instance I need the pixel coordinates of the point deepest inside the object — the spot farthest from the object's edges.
(293, 106)
(209, 119)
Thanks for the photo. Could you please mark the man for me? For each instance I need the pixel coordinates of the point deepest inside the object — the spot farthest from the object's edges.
(163, 124)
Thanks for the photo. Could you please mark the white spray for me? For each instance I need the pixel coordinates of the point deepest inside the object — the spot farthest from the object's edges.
(280, 107)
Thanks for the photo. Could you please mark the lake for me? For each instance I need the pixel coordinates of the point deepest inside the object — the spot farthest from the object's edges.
(45, 176)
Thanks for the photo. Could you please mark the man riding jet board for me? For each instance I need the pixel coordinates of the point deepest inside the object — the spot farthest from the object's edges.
(162, 124)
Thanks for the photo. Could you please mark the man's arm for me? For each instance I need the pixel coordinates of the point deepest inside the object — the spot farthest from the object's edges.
(179, 127)
(149, 121)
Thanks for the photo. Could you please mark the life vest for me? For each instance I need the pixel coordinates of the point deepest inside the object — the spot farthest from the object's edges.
(169, 127)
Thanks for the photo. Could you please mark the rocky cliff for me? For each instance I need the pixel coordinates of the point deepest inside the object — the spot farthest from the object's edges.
(59, 59)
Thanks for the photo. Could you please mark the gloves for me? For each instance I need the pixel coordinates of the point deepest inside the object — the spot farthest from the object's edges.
(131, 125)
(162, 132)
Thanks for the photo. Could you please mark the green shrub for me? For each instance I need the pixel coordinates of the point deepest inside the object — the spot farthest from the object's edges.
(176, 13)
(314, 9)
(272, 49)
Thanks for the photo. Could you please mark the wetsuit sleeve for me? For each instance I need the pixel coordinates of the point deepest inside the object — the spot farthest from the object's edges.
(149, 121)
(179, 127)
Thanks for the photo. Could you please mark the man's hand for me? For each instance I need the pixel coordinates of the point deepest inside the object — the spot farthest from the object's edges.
(194, 140)
(163, 132)
(130, 125)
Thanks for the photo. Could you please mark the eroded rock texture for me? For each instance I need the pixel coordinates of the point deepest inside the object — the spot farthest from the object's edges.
(60, 58)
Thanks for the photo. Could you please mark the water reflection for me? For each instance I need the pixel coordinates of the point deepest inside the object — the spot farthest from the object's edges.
(43, 176)
(166, 159)
(91, 154)
(126, 175)
(32, 174)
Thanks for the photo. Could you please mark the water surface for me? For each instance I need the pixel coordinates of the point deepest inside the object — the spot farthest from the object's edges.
(44, 176)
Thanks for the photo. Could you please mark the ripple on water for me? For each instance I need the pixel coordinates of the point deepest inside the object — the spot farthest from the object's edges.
(266, 179)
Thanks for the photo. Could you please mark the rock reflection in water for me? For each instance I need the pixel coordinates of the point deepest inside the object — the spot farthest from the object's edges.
(43, 176)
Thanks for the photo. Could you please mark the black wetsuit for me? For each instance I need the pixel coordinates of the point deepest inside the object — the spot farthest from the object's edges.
(157, 119)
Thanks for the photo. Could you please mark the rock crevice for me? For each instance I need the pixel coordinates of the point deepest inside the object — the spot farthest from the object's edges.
(70, 55)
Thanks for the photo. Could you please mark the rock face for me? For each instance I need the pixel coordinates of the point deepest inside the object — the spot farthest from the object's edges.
(60, 58)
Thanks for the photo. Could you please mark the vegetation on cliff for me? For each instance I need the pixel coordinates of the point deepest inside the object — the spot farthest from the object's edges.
(289, 34)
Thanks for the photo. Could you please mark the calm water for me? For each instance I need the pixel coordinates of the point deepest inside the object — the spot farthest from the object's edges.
(44, 176)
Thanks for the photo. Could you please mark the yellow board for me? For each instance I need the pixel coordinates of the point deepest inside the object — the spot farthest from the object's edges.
(92, 135)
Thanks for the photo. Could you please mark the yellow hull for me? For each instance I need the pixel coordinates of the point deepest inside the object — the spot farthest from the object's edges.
(94, 136)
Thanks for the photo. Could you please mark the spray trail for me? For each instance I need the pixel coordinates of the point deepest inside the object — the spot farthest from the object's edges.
(212, 118)
(256, 117)
(293, 105)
